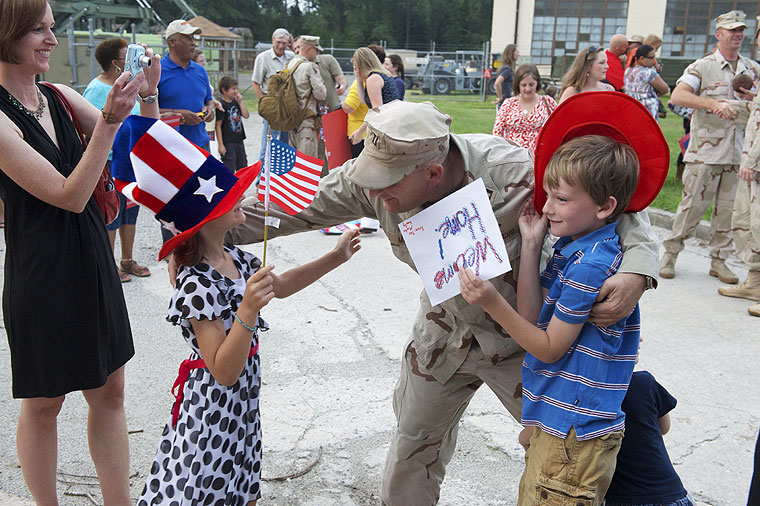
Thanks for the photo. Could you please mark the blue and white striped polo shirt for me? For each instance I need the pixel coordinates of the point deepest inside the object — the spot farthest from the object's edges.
(585, 388)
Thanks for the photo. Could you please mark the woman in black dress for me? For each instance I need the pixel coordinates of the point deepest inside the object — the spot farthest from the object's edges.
(64, 311)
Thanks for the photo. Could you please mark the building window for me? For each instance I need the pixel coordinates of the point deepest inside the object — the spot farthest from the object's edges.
(690, 26)
(567, 26)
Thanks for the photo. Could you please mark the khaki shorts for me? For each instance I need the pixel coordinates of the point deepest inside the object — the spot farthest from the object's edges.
(568, 472)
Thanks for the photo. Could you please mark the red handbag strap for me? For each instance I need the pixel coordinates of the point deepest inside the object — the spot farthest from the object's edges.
(67, 105)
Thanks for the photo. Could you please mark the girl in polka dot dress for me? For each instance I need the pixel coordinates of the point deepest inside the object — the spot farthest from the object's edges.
(212, 454)
(210, 449)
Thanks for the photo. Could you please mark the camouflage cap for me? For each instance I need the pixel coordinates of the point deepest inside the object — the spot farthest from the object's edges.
(310, 40)
(400, 136)
(731, 20)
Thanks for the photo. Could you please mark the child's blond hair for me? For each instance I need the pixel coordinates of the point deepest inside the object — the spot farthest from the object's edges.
(600, 166)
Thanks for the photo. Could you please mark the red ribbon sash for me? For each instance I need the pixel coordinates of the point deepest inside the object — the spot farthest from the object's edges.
(185, 367)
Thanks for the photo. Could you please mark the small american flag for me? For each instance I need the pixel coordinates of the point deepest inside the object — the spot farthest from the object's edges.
(294, 178)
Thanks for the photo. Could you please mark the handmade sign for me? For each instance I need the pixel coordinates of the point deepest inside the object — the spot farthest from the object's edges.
(456, 232)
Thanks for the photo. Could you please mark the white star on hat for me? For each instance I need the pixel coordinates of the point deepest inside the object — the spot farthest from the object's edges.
(170, 226)
(207, 188)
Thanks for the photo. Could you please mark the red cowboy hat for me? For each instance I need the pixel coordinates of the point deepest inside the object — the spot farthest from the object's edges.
(614, 115)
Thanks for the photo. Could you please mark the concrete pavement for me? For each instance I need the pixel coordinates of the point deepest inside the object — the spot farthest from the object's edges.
(332, 358)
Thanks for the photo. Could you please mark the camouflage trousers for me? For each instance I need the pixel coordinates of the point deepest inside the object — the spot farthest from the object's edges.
(305, 138)
(428, 414)
(702, 184)
(745, 223)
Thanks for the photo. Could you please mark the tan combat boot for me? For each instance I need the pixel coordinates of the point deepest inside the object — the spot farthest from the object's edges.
(754, 310)
(719, 269)
(750, 289)
(668, 266)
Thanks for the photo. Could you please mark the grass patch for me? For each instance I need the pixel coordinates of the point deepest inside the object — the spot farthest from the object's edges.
(471, 115)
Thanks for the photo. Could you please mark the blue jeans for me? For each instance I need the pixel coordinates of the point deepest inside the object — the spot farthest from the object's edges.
(684, 501)
(276, 134)
(126, 216)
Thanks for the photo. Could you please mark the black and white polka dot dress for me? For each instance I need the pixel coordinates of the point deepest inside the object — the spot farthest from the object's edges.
(213, 454)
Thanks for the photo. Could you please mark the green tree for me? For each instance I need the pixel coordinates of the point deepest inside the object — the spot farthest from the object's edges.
(411, 23)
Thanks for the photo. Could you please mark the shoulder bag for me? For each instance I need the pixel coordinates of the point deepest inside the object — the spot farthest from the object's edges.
(105, 191)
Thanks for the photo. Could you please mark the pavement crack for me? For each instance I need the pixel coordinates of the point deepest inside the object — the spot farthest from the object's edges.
(694, 446)
(361, 329)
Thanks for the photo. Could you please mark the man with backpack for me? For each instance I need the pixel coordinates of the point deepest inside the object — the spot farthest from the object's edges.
(266, 65)
(309, 88)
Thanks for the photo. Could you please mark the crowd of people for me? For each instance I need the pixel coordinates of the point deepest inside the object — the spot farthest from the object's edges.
(557, 345)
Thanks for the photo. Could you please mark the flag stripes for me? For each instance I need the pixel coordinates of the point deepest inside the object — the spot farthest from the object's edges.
(292, 180)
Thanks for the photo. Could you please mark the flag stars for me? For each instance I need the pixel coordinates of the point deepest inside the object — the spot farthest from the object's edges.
(207, 188)
(170, 226)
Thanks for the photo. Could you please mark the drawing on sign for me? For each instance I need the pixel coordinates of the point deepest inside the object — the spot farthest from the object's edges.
(474, 254)
(457, 232)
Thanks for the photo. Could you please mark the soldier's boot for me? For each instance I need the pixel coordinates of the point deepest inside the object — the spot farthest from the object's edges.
(754, 310)
(750, 289)
(719, 269)
(668, 266)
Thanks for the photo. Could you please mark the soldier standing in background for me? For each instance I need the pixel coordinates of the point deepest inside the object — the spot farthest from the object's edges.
(745, 222)
(717, 134)
(335, 84)
(309, 87)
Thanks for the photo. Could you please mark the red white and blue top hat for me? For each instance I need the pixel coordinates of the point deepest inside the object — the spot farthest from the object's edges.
(181, 183)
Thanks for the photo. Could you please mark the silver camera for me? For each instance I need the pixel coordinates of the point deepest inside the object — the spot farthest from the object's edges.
(136, 60)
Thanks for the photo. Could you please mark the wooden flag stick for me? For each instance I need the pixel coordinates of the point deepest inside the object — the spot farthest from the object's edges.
(266, 193)
(266, 217)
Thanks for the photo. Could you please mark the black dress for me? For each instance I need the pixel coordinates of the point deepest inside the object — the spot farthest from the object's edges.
(64, 310)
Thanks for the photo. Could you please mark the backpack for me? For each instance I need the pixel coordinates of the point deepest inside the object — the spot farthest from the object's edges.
(280, 105)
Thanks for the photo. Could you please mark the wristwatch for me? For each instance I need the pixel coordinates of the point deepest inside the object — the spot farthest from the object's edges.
(149, 99)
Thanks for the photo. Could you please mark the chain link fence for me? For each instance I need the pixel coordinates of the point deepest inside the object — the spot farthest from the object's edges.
(456, 74)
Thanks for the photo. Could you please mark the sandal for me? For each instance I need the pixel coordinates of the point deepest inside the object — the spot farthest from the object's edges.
(129, 266)
(124, 277)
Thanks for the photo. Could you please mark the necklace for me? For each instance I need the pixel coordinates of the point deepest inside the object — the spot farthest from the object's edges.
(35, 114)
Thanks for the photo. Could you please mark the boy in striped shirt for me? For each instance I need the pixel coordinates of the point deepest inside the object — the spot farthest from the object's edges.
(575, 373)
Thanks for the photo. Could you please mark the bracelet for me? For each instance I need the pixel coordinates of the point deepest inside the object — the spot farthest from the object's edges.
(109, 117)
(149, 99)
(241, 322)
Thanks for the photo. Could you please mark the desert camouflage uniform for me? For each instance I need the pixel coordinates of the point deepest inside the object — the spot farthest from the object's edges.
(745, 223)
(455, 347)
(712, 158)
(310, 88)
